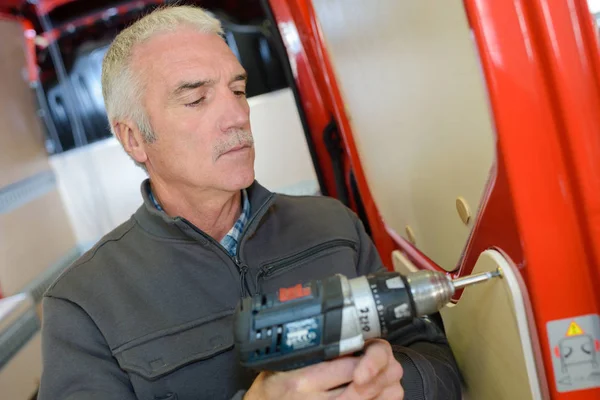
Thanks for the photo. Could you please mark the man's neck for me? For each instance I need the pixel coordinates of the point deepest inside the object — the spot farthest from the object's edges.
(212, 211)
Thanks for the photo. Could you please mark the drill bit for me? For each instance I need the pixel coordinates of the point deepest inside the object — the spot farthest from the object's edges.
(477, 278)
(432, 290)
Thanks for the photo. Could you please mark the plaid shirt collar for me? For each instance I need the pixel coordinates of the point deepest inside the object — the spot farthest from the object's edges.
(230, 241)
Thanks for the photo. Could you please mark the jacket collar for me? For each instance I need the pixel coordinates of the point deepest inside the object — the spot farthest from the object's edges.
(158, 223)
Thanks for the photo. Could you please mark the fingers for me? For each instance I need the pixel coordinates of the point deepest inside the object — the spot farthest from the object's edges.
(335, 393)
(394, 392)
(326, 375)
(377, 356)
(376, 387)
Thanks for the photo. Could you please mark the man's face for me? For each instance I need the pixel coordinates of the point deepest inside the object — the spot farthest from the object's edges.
(195, 99)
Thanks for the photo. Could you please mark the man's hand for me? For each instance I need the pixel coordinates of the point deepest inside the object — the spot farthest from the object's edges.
(315, 382)
(375, 375)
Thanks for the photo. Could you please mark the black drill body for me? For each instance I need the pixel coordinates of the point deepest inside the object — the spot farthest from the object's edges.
(324, 319)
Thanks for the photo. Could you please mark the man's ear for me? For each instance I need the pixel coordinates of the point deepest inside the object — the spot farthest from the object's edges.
(131, 139)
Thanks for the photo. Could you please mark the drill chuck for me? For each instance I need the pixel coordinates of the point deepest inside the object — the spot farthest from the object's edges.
(432, 290)
(322, 320)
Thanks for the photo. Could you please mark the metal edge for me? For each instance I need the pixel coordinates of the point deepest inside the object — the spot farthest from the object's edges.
(22, 192)
(18, 335)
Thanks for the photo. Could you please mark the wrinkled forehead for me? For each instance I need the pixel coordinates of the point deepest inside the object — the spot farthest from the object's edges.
(168, 58)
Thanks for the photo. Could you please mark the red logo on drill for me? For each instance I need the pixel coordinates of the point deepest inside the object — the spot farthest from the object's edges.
(294, 292)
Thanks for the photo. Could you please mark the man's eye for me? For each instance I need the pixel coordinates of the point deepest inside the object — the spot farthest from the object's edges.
(239, 93)
(195, 103)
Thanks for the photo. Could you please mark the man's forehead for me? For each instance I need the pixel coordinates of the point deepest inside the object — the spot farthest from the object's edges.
(173, 60)
(185, 86)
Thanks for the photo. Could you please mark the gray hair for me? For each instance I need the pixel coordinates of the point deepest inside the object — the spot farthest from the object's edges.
(121, 87)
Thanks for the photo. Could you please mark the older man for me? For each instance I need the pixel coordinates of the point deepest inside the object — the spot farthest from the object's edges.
(147, 312)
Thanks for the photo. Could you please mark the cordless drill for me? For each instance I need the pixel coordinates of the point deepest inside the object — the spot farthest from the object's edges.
(324, 319)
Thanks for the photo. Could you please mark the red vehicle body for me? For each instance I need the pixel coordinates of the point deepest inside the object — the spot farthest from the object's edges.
(542, 206)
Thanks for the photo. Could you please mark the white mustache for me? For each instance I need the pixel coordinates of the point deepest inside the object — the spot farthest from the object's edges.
(235, 137)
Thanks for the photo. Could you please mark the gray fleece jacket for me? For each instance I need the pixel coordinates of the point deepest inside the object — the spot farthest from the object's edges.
(147, 312)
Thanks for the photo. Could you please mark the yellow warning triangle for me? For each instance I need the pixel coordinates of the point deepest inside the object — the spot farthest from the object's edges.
(574, 329)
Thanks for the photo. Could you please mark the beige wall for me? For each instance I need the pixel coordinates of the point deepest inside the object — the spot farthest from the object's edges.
(100, 185)
(283, 161)
(19, 377)
(411, 81)
(34, 236)
(34, 228)
(22, 152)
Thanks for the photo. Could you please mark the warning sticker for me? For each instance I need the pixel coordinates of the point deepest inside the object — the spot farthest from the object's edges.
(575, 346)
(574, 329)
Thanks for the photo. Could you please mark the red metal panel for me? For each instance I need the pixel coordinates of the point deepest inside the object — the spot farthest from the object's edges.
(30, 54)
(522, 46)
(4, 15)
(316, 107)
(9, 4)
(316, 81)
(574, 61)
(46, 6)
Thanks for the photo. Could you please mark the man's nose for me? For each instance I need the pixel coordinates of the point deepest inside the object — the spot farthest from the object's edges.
(234, 113)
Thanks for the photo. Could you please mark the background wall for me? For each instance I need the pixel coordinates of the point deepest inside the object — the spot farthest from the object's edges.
(411, 79)
(34, 228)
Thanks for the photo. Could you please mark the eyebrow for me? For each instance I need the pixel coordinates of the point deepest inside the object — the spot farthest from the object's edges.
(185, 86)
(240, 77)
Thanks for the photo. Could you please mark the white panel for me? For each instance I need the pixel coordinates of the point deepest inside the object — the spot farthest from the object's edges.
(411, 81)
(282, 158)
(491, 337)
(594, 6)
(100, 187)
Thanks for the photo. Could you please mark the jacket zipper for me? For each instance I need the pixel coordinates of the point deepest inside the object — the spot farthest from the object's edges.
(218, 245)
(290, 262)
(240, 265)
